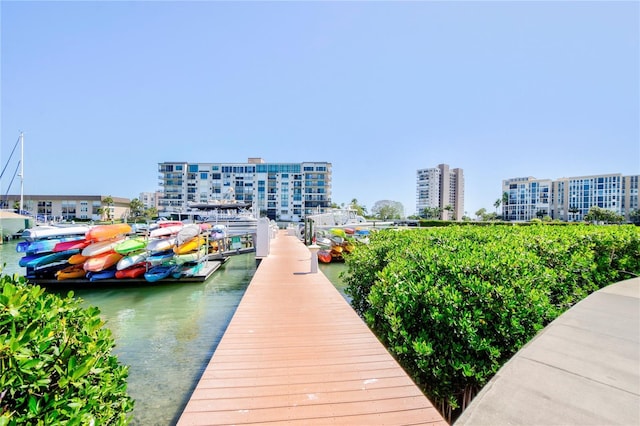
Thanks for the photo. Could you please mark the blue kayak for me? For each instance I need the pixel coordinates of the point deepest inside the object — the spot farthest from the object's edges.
(159, 272)
(102, 275)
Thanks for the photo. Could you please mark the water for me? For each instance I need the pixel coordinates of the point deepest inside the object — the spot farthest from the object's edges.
(167, 333)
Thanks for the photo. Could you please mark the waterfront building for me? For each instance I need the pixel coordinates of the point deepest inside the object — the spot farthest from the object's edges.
(440, 187)
(149, 199)
(280, 191)
(569, 198)
(71, 207)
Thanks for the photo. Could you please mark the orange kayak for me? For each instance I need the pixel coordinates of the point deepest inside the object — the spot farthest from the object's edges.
(102, 261)
(73, 271)
(106, 232)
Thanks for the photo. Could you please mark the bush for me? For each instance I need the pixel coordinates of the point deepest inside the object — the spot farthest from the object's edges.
(56, 365)
(454, 304)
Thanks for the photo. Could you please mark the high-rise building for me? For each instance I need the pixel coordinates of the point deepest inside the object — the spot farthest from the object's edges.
(280, 191)
(441, 188)
(569, 199)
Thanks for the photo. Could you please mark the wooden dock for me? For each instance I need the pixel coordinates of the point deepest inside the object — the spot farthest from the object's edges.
(295, 352)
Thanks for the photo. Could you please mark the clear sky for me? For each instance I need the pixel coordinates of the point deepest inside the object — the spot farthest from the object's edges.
(104, 91)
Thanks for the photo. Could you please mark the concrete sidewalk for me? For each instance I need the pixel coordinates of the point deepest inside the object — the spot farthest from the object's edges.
(582, 369)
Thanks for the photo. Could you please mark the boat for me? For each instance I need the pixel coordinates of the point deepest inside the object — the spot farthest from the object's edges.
(194, 256)
(108, 232)
(39, 246)
(134, 271)
(77, 259)
(189, 246)
(101, 275)
(161, 244)
(188, 232)
(159, 272)
(238, 217)
(132, 259)
(130, 245)
(42, 232)
(100, 247)
(160, 258)
(102, 261)
(324, 256)
(165, 231)
(70, 272)
(49, 258)
(71, 244)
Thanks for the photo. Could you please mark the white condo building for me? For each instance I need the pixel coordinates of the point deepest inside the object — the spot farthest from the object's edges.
(280, 191)
(439, 187)
(568, 199)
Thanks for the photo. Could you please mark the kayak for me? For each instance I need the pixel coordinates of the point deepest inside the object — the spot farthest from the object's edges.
(100, 247)
(70, 272)
(107, 232)
(159, 272)
(188, 232)
(77, 259)
(165, 231)
(187, 270)
(72, 244)
(50, 258)
(101, 275)
(161, 257)
(194, 256)
(131, 244)
(131, 260)
(102, 261)
(161, 244)
(134, 271)
(189, 246)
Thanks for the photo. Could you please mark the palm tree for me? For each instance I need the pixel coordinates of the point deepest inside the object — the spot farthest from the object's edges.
(497, 204)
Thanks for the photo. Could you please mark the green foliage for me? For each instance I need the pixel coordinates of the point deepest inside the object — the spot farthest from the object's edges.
(56, 365)
(453, 304)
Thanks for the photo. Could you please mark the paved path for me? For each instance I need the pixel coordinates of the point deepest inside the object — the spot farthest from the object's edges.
(582, 369)
(295, 352)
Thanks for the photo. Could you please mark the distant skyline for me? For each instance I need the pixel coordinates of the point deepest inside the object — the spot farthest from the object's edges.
(104, 91)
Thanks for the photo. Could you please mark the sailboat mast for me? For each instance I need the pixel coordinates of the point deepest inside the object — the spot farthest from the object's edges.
(21, 172)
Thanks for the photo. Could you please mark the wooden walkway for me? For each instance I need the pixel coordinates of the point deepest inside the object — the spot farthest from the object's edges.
(295, 352)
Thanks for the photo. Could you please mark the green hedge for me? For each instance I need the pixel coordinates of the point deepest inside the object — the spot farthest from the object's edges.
(453, 304)
(56, 365)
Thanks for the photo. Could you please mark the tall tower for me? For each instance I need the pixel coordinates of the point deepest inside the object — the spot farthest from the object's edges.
(441, 188)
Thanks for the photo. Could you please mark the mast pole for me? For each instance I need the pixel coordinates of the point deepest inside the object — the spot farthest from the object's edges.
(21, 172)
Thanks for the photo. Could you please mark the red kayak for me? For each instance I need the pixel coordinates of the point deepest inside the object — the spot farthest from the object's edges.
(324, 256)
(71, 245)
(132, 272)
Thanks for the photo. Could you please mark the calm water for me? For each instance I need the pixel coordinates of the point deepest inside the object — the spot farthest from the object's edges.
(167, 333)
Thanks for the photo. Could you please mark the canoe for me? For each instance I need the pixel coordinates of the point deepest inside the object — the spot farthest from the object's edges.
(134, 271)
(70, 272)
(158, 273)
(187, 233)
(100, 247)
(132, 260)
(101, 275)
(42, 232)
(50, 258)
(77, 259)
(24, 260)
(130, 245)
(194, 256)
(165, 231)
(187, 270)
(107, 232)
(72, 244)
(102, 261)
(161, 244)
(189, 246)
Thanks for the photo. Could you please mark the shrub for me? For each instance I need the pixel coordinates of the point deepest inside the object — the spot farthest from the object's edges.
(454, 304)
(56, 365)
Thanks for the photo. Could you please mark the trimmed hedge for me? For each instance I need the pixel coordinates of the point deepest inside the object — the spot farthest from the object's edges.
(453, 304)
(56, 365)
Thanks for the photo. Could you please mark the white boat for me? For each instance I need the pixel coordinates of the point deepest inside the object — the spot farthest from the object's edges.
(237, 217)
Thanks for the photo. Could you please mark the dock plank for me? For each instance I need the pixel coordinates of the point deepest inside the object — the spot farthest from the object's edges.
(295, 352)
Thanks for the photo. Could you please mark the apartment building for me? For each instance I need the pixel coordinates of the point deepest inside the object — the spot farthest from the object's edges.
(280, 191)
(440, 187)
(149, 199)
(569, 199)
(71, 207)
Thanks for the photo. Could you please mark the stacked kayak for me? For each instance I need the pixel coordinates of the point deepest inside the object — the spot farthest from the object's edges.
(115, 252)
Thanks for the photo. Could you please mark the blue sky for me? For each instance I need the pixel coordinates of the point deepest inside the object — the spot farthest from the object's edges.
(104, 91)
